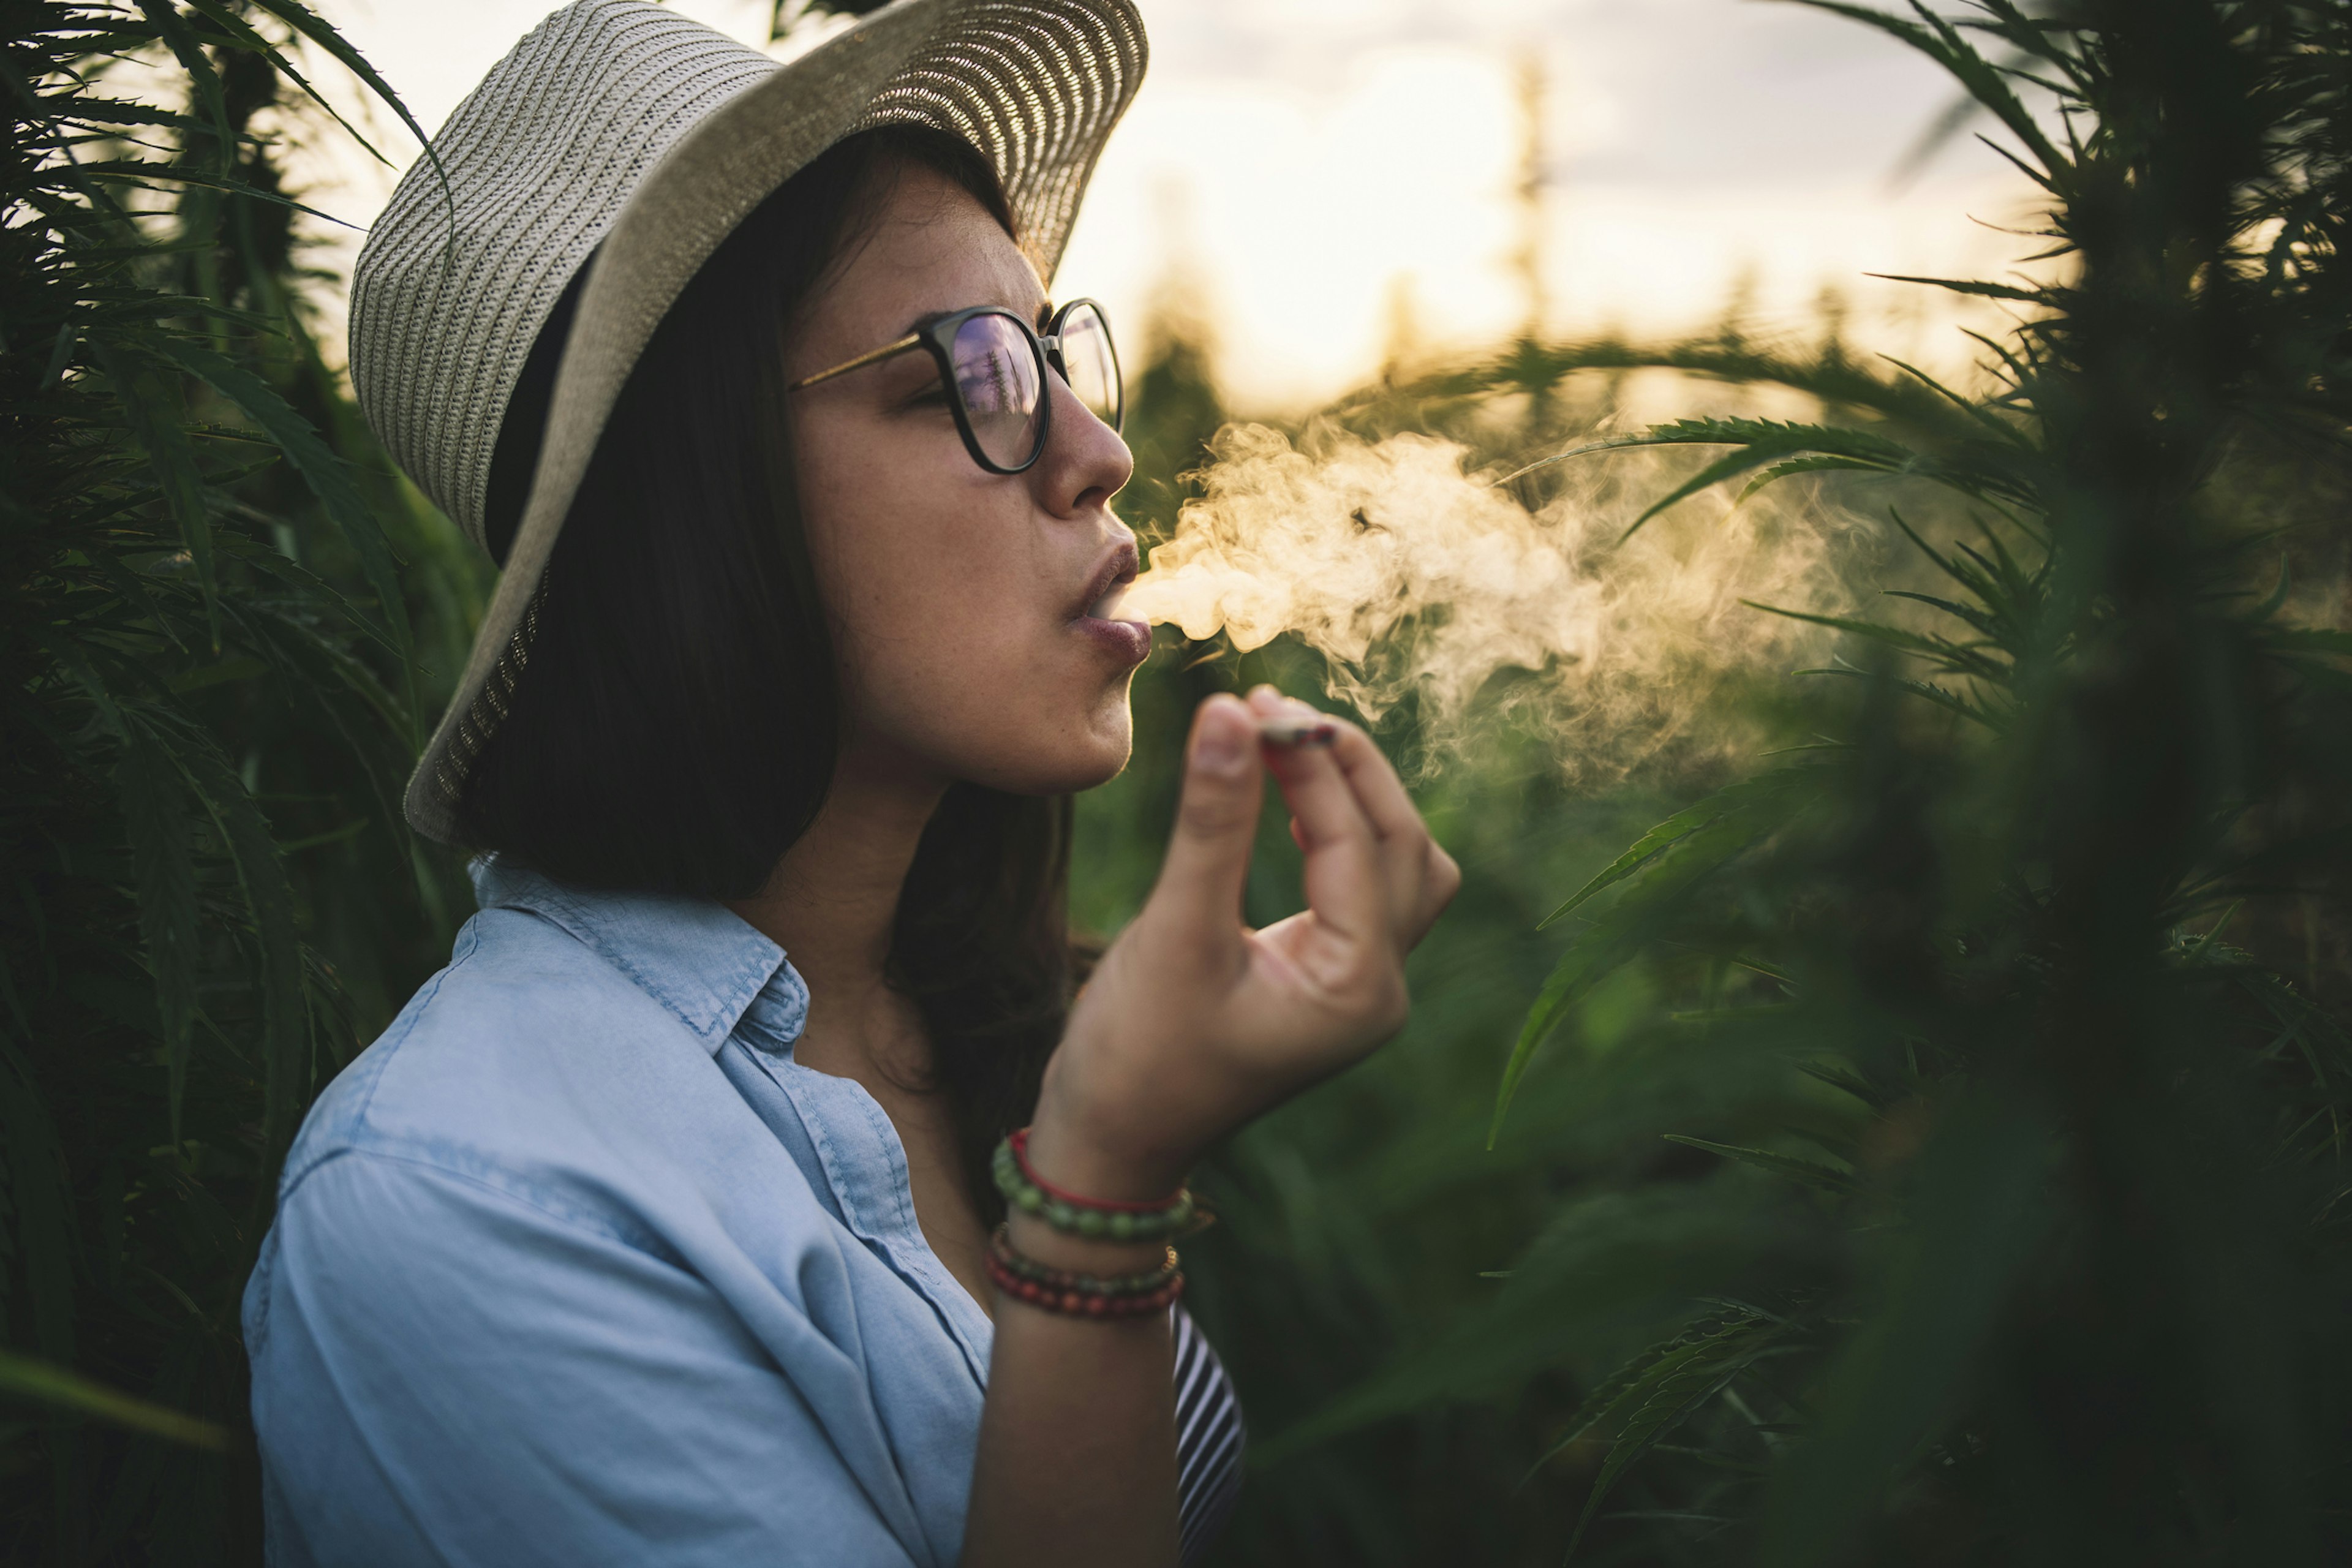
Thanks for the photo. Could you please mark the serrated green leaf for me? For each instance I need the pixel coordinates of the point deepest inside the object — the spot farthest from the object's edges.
(1936, 649)
(237, 28)
(1752, 811)
(157, 418)
(1976, 1215)
(1663, 1396)
(172, 29)
(1807, 464)
(74, 659)
(159, 177)
(1805, 1172)
(1763, 442)
(154, 815)
(122, 111)
(1975, 620)
(329, 477)
(316, 28)
(270, 902)
(1937, 39)
(1969, 286)
(1614, 1394)
(1925, 690)
(1723, 803)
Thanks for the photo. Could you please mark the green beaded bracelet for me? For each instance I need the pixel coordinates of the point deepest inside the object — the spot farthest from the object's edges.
(1087, 1217)
(1022, 1266)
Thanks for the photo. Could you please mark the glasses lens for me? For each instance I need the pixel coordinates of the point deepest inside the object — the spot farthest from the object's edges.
(1093, 363)
(996, 373)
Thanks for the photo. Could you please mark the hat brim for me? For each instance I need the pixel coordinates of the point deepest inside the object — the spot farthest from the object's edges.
(1036, 85)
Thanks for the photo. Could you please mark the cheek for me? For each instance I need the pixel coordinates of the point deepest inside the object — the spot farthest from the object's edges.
(949, 597)
(908, 545)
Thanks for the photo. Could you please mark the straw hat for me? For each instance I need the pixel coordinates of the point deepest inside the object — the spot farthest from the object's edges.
(645, 137)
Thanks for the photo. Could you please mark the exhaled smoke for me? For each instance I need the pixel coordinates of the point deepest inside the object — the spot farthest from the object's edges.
(1412, 578)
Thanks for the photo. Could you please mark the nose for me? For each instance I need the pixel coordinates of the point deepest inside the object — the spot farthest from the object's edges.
(1084, 462)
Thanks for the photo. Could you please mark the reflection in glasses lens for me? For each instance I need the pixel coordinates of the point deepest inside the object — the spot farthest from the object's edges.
(996, 373)
(1092, 363)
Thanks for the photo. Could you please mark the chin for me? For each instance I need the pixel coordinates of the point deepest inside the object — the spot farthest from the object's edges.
(1067, 764)
(1102, 772)
(1062, 776)
(1077, 773)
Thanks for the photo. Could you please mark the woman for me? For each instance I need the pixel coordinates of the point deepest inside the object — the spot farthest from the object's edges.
(658, 1226)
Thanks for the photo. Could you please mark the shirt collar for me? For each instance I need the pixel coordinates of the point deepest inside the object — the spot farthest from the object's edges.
(695, 957)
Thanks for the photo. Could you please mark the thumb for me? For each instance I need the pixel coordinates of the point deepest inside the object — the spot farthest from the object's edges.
(1199, 888)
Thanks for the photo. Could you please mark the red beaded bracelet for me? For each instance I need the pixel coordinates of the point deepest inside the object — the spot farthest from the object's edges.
(1142, 1282)
(1080, 1304)
(1019, 1139)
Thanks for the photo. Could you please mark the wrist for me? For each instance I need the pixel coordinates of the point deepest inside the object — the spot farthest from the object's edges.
(1080, 1155)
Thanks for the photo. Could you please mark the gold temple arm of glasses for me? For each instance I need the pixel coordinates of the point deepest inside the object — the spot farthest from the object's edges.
(911, 340)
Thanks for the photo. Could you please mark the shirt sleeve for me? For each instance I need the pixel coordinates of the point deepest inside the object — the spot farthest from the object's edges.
(447, 1373)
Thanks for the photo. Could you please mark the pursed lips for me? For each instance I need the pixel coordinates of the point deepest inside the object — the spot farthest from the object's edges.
(1098, 618)
(1109, 584)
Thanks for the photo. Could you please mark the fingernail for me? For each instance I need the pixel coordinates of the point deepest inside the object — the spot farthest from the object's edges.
(1219, 747)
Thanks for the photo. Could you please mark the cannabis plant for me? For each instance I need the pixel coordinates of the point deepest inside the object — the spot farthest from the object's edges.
(2031, 1243)
(213, 685)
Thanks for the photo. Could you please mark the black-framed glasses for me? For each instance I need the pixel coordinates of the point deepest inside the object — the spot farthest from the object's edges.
(993, 365)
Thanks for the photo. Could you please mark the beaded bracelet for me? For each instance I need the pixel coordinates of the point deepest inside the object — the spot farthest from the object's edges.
(1000, 1247)
(1096, 1219)
(1078, 1303)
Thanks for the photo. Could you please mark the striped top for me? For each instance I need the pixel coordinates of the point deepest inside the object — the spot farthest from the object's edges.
(1209, 1439)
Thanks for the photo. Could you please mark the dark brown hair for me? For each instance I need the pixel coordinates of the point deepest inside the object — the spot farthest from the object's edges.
(676, 724)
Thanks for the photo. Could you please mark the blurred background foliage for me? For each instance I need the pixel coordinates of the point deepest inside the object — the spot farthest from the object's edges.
(1924, 1137)
(224, 622)
(1925, 1144)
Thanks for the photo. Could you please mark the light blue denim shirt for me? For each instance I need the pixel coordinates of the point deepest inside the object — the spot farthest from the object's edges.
(577, 1266)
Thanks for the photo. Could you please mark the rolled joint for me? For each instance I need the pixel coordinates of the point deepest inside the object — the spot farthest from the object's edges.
(1297, 730)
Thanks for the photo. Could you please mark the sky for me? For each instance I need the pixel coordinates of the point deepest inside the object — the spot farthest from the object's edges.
(1315, 172)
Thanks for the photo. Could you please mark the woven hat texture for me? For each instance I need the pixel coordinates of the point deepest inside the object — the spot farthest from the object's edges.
(627, 131)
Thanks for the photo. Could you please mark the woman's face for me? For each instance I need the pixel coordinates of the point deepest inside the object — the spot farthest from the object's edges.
(960, 598)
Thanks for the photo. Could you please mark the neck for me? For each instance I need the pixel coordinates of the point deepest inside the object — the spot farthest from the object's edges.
(831, 904)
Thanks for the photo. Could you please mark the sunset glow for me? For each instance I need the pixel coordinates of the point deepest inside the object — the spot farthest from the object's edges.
(1321, 177)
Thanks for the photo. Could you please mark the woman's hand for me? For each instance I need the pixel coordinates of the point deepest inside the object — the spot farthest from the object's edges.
(1193, 1023)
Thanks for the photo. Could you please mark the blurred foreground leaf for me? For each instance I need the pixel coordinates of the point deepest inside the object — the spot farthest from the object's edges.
(31, 1379)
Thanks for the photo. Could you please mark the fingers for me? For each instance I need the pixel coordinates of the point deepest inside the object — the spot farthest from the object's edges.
(1440, 881)
(1422, 878)
(1347, 885)
(1374, 780)
(1199, 894)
